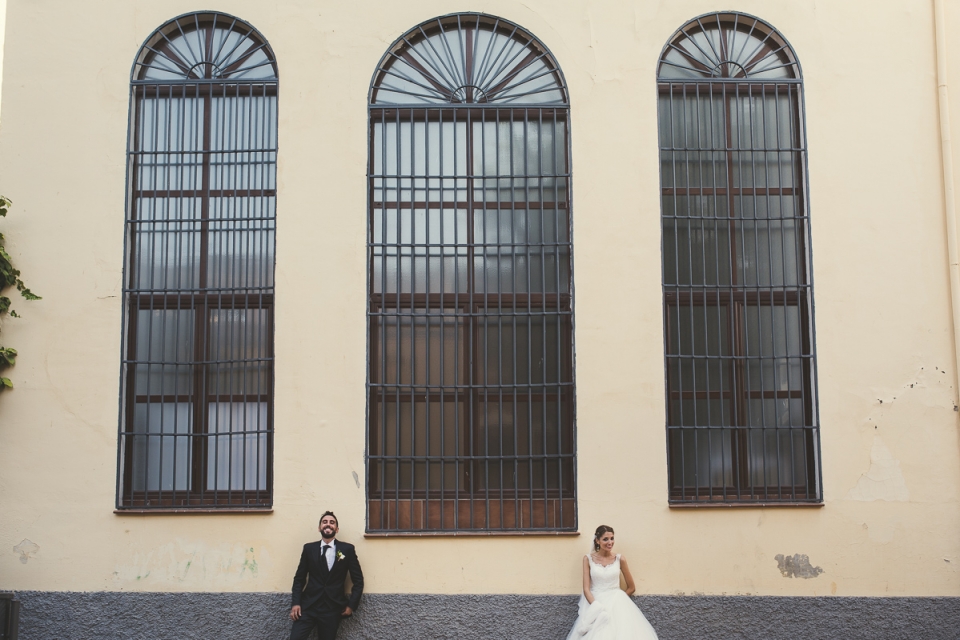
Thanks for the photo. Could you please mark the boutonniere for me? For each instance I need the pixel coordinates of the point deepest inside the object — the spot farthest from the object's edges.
(340, 555)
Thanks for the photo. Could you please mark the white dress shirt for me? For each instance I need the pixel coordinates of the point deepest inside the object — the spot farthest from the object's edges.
(331, 552)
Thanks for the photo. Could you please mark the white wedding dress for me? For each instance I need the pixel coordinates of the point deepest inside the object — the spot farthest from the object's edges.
(613, 615)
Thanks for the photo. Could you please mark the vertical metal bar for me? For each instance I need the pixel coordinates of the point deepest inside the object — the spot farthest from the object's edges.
(428, 313)
(501, 381)
(558, 170)
(513, 301)
(443, 311)
(473, 319)
(541, 253)
(382, 391)
(399, 319)
(525, 211)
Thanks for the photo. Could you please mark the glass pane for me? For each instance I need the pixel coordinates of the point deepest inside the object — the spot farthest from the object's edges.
(778, 459)
(164, 352)
(166, 243)
(522, 158)
(521, 251)
(240, 243)
(168, 139)
(522, 432)
(701, 458)
(419, 251)
(406, 429)
(238, 460)
(693, 118)
(524, 349)
(419, 349)
(243, 135)
(239, 356)
(696, 251)
(418, 161)
(762, 119)
(162, 452)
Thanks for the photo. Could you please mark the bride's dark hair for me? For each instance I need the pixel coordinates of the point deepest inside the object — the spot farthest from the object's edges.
(602, 529)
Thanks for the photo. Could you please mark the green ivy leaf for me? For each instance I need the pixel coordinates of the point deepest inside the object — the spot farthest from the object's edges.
(9, 356)
(9, 277)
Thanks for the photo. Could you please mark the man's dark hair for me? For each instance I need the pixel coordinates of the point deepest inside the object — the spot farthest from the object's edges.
(330, 513)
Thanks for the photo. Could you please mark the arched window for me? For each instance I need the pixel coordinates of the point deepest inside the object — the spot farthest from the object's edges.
(737, 286)
(196, 426)
(470, 311)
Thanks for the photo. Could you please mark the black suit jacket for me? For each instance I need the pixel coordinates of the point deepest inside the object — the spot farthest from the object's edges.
(327, 584)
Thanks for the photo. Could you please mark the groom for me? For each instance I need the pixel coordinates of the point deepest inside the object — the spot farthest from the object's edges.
(323, 603)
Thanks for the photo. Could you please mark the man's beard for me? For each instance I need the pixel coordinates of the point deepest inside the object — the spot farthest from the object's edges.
(327, 532)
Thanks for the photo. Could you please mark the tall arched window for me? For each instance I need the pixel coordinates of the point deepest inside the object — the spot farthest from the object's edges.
(471, 391)
(196, 425)
(742, 420)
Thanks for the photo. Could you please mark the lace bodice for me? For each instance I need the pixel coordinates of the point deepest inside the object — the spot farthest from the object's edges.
(604, 578)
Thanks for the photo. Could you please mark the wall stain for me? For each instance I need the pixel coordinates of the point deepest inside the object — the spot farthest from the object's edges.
(797, 566)
(26, 549)
(883, 480)
(249, 563)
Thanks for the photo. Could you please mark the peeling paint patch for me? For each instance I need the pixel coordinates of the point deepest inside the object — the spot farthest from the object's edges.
(883, 480)
(26, 549)
(797, 566)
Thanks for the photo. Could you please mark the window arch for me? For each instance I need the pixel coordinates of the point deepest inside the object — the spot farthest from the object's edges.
(742, 422)
(196, 424)
(471, 391)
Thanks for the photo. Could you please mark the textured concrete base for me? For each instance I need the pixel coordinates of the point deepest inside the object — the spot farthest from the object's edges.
(47, 615)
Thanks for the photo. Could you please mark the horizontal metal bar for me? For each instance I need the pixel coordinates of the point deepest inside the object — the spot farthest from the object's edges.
(198, 82)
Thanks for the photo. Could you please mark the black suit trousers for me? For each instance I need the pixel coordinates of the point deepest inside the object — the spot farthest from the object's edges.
(324, 617)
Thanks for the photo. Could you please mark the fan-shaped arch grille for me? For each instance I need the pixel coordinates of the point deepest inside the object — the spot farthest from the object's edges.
(727, 46)
(205, 46)
(468, 59)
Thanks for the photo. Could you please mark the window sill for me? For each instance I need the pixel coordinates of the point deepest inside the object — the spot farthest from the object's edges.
(167, 511)
(741, 505)
(469, 534)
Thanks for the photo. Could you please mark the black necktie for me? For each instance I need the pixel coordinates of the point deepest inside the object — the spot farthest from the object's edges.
(323, 551)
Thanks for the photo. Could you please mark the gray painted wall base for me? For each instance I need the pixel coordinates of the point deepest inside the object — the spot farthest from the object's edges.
(47, 615)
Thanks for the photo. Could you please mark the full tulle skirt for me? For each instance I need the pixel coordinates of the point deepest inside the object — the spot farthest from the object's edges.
(612, 616)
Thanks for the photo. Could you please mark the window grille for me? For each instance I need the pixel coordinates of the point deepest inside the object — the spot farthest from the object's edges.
(471, 389)
(196, 425)
(742, 422)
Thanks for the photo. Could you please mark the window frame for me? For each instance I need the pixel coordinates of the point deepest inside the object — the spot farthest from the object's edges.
(201, 79)
(477, 508)
(733, 83)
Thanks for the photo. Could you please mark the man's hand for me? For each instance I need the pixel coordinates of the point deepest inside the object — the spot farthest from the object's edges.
(346, 612)
(295, 612)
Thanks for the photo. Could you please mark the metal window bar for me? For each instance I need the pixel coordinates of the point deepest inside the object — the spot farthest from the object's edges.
(196, 428)
(742, 423)
(470, 305)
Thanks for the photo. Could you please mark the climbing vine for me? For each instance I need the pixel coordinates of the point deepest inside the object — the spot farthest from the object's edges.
(9, 277)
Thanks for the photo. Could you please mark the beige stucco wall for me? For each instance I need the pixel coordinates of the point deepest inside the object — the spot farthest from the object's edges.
(882, 304)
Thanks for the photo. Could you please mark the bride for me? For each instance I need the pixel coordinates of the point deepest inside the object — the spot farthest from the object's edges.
(606, 612)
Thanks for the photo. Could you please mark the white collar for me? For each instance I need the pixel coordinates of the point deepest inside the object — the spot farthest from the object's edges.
(332, 543)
